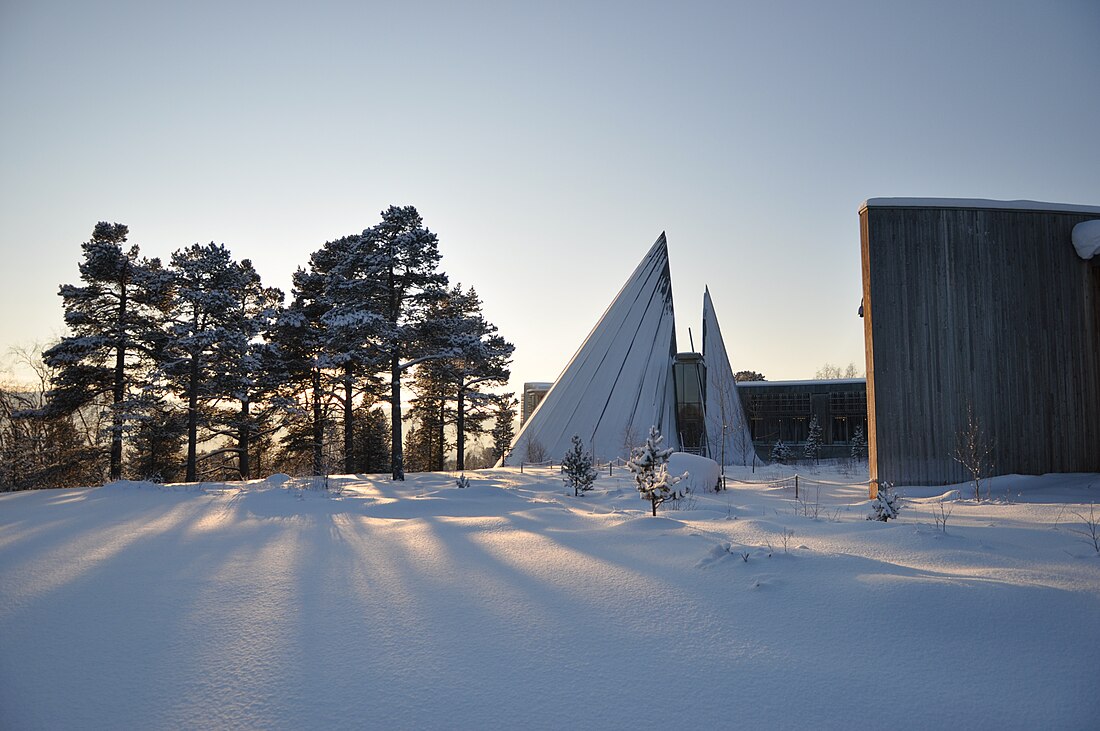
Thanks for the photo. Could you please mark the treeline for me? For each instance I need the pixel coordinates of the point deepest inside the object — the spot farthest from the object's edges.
(194, 370)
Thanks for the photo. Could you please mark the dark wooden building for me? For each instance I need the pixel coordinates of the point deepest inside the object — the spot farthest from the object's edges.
(986, 307)
(782, 410)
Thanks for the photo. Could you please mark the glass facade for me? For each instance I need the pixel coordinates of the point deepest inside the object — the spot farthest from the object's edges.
(690, 377)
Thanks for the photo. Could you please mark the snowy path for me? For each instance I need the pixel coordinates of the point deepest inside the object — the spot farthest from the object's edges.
(509, 604)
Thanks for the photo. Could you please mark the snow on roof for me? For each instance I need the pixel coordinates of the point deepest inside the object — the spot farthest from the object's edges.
(1086, 239)
(1020, 205)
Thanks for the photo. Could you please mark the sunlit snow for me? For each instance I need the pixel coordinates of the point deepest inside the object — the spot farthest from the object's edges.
(358, 602)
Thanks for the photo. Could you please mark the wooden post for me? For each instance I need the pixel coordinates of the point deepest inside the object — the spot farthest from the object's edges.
(796, 487)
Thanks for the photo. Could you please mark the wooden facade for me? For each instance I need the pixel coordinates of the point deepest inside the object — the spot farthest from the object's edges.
(986, 306)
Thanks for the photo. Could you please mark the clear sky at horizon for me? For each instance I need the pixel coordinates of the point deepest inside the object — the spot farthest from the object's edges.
(547, 144)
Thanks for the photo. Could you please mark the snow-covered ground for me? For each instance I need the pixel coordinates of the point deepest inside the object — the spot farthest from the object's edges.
(512, 604)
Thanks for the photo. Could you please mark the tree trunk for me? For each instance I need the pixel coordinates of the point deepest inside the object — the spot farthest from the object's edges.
(397, 455)
(192, 419)
(460, 418)
(349, 424)
(654, 501)
(440, 429)
(318, 425)
(244, 439)
(118, 392)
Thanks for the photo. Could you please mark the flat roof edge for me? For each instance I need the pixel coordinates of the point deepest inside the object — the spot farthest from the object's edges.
(1020, 205)
(802, 382)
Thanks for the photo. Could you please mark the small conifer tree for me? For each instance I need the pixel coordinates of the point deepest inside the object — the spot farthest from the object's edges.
(813, 440)
(781, 453)
(859, 443)
(577, 470)
(886, 504)
(649, 463)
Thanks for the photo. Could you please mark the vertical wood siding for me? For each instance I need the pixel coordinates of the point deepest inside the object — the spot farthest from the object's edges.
(983, 307)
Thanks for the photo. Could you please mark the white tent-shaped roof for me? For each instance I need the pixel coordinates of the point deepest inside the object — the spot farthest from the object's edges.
(728, 433)
(619, 383)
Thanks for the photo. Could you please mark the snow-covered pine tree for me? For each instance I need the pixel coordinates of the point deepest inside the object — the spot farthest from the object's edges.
(813, 440)
(504, 419)
(208, 332)
(649, 465)
(402, 257)
(116, 323)
(886, 504)
(331, 336)
(250, 373)
(576, 467)
(480, 359)
(301, 336)
(781, 453)
(859, 443)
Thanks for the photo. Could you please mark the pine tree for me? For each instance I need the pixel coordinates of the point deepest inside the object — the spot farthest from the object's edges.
(212, 328)
(300, 336)
(372, 441)
(813, 440)
(482, 361)
(577, 469)
(116, 324)
(402, 256)
(432, 413)
(157, 443)
(504, 420)
(649, 464)
(781, 453)
(859, 444)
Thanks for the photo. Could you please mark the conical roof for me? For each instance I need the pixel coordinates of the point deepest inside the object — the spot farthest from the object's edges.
(619, 382)
(729, 436)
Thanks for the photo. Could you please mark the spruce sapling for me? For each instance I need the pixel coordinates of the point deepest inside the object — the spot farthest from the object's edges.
(649, 463)
(577, 470)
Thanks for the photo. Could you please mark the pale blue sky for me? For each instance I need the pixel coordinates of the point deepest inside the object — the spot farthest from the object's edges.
(547, 144)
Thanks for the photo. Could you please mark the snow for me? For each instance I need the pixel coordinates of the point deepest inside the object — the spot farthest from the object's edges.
(1086, 239)
(1020, 205)
(375, 604)
(702, 473)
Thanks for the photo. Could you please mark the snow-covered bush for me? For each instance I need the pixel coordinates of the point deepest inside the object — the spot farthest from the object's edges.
(700, 474)
(576, 468)
(781, 453)
(886, 504)
(462, 481)
(649, 463)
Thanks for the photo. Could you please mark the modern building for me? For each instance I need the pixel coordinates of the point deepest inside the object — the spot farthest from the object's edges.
(627, 377)
(980, 317)
(782, 410)
(533, 394)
